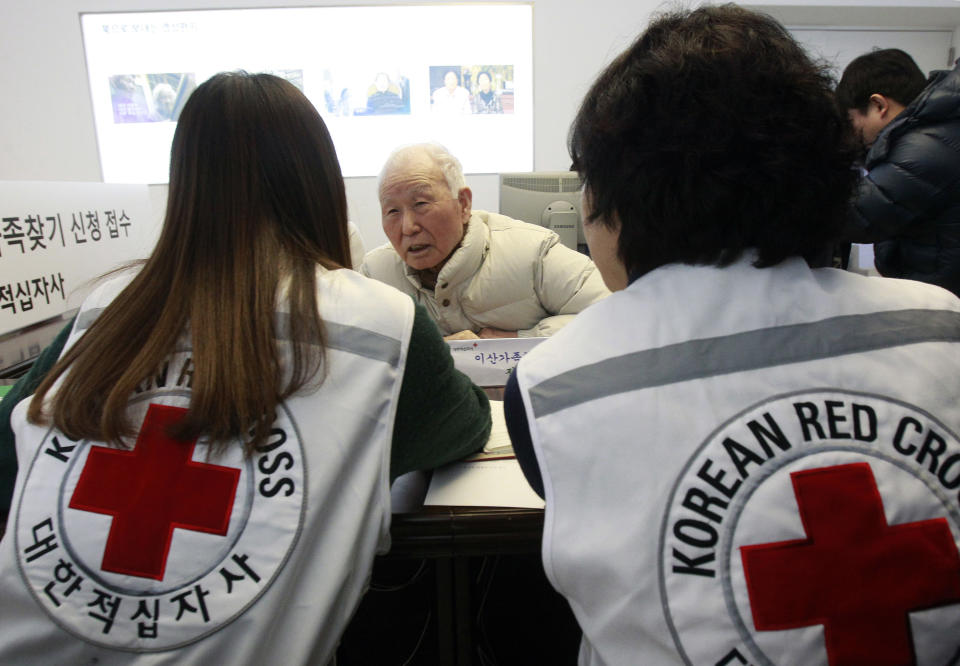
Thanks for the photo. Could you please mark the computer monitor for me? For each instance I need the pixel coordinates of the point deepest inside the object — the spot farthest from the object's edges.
(550, 199)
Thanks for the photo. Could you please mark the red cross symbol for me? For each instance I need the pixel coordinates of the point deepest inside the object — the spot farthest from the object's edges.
(149, 491)
(856, 575)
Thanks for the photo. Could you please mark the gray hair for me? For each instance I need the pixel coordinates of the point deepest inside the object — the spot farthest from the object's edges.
(448, 164)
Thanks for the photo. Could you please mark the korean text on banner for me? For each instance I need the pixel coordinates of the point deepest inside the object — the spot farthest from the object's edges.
(57, 237)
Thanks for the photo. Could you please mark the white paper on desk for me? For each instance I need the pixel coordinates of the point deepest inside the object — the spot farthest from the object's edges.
(482, 483)
(499, 440)
(498, 444)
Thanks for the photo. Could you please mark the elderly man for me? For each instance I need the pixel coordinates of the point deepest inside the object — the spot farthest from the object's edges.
(479, 274)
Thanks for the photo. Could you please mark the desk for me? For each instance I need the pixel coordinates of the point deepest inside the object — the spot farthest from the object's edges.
(452, 539)
(482, 590)
(19, 349)
(450, 531)
(451, 535)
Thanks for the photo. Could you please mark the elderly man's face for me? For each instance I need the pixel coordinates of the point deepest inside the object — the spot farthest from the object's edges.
(422, 218)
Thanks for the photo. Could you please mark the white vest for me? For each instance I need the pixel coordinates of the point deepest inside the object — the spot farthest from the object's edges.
(754, 466)
(171, 553)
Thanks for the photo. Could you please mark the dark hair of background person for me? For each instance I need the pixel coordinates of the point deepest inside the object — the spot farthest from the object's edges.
(714, 132)
(256, 200)
(888, 72)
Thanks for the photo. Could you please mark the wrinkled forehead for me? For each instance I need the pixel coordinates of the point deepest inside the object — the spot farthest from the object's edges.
(414, 175)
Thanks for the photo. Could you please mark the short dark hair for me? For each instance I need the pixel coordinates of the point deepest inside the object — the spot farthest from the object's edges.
(712, 133)
(888, 72)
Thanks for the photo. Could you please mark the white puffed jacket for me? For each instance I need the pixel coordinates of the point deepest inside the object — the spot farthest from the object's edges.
(505, 274)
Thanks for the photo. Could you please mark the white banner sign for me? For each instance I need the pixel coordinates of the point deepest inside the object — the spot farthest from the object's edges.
(489, 362)
(56, 237)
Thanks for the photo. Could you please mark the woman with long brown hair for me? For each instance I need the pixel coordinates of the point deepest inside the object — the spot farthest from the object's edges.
(204, 474)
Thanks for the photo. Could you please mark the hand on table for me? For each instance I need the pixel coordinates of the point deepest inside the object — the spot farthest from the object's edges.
(462, 335)
(484, 333)
(496, 333)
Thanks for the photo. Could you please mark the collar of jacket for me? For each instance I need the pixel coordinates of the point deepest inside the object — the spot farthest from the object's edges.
(939, 101)
(466, 258)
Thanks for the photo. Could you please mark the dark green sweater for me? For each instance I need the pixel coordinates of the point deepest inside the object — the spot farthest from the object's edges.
(441, 415)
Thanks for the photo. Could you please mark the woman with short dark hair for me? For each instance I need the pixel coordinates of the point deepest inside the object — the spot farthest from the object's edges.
(485, 98)
(727, 445)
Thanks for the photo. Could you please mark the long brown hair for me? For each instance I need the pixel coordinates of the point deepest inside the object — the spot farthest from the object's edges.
(256, 201)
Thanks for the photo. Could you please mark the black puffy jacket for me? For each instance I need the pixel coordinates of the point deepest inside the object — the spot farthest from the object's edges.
(909, 201)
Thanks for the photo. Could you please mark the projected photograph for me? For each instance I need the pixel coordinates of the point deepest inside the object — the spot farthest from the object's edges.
(491, 88)
(448, 96)
(386, 95)
(149, 98)
(352, 92)
(475, 89)
(336, 94)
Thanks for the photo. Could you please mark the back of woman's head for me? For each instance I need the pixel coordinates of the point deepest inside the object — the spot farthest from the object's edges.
(252, 159)
(256, 202)
(714, 132)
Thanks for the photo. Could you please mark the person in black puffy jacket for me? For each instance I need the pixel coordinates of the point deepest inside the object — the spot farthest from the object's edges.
(908, 203)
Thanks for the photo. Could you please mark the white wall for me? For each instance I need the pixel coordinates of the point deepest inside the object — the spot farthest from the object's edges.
(46, 119)
(930, 48)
